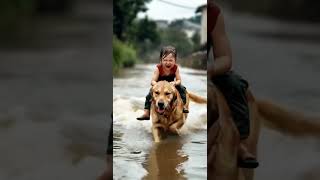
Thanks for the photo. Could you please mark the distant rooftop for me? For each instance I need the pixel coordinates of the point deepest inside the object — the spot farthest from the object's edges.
(200, 8)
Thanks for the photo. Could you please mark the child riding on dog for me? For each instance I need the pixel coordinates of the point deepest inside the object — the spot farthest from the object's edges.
(166, 70)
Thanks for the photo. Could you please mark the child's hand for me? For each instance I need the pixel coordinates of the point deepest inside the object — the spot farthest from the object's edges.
(173, 83)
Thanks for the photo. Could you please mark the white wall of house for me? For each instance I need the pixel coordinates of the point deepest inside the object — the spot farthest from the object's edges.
(203, 35)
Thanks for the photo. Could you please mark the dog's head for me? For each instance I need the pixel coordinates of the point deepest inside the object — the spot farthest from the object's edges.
(163, 94)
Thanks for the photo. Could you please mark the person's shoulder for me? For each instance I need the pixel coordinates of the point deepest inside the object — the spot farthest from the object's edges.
(214, 7)
(214, 13)
(158, 68)
(175, 67)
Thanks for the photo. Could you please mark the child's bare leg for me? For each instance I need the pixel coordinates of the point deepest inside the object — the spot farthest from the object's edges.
(147, 106)
(145, 116)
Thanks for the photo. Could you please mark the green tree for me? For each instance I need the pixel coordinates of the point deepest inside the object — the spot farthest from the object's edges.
(179, 39)
(147, 30)
(145, 36)
(179, 23)
(196, 41)
(124, 13)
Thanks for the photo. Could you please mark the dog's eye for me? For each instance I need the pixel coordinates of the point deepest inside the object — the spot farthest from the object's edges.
(167, 93)
(157, 92)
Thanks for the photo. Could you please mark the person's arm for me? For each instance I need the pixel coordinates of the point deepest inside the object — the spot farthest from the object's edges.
(178, 78)
(155, 77)
(221, 50)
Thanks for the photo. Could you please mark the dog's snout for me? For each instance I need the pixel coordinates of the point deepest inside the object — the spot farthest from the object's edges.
(161, 104)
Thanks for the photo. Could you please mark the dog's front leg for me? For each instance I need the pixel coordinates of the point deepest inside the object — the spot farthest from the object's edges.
(175, 128)
(156, 134)
(155, 128)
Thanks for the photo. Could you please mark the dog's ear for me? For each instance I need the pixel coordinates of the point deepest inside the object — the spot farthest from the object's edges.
(175, 95)
(151, 92)
(174, 99)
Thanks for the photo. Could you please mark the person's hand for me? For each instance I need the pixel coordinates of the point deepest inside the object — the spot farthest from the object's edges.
(173, 83)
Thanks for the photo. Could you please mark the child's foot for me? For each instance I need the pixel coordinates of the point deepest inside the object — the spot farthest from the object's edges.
(246, 159)
(250, 163)
(185, 110)
(145, 116)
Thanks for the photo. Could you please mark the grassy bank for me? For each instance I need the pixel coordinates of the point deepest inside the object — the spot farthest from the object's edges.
(124, 55)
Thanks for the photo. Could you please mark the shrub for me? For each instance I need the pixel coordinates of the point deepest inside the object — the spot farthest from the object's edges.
(124, 55)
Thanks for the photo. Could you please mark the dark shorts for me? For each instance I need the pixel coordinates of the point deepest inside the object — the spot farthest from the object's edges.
(234, 88)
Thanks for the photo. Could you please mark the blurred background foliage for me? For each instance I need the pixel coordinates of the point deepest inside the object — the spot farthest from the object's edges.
(144, 36)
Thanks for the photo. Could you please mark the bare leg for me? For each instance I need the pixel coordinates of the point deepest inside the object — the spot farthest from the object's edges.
(246, 158)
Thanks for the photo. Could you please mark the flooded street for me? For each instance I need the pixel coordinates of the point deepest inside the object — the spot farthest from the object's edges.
(136, 156)
(281, 61)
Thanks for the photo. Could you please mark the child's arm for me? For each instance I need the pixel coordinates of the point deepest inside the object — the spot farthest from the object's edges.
(155, 77)
(178, 78)
(222, 50)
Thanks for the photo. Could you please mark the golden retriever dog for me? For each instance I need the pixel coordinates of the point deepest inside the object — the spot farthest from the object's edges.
(224, 138)
(167, 109)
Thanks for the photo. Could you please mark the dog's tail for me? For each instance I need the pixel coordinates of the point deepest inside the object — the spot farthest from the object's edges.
(288, 122)
(197, 99)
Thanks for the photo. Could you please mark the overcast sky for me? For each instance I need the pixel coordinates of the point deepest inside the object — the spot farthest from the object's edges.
(162, 9)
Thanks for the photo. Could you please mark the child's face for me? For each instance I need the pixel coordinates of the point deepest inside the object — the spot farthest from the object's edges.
(169, 61)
